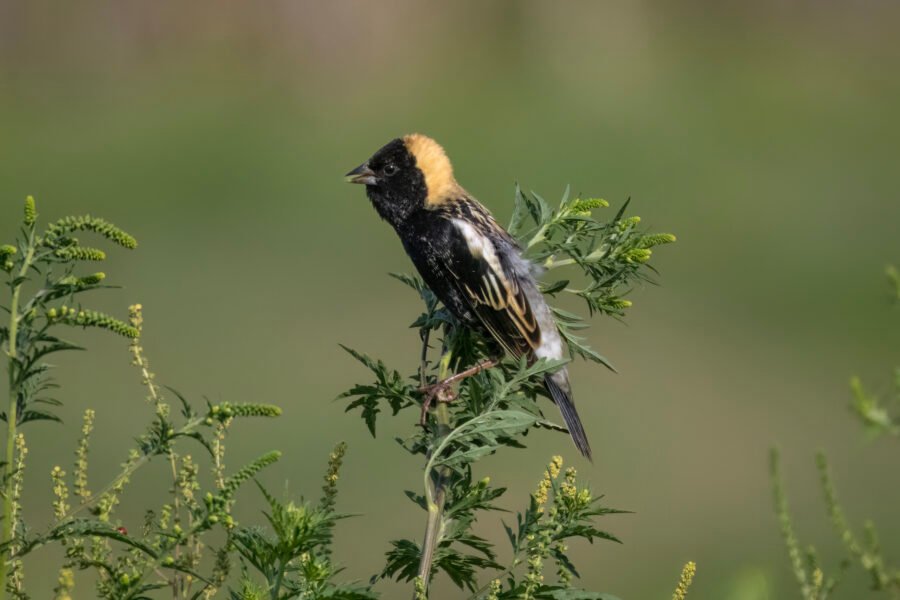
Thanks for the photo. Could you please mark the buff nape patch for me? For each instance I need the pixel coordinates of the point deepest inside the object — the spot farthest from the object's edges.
(435, 166)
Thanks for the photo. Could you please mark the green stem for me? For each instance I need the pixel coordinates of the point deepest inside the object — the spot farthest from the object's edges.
(176, 512)
(538, 237)
(435, 492)
(11, 416)
(276, 586)
(126, 473)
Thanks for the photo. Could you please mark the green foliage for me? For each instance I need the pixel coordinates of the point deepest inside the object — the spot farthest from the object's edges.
(866, 553)
(880, 416)
(186, 546)
(498, 408)
(192, 547)
(294, 555)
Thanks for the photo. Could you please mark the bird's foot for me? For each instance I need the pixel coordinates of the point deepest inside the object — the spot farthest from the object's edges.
(442, 391)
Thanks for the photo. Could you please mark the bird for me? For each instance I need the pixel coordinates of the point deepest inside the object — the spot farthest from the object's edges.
(473, 265)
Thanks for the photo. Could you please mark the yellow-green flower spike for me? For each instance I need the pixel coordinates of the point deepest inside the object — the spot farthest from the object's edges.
(656, 239)
(619, 303)
(687, 576)
(639, 255)
(94, 224)
(93, 318)
(80, 253)
(629, 222)
(555, 466)
(586, 205)
(81, 457)
(65, 583)
(6, 250)
(92, 279)
(30, 211)
(329, 490)
(60, 493)
(234, 482)
(495, 589)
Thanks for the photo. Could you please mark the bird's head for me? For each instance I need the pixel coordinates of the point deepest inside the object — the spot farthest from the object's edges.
(407, 174)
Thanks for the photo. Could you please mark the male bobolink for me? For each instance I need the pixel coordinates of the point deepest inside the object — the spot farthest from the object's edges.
(467, 259)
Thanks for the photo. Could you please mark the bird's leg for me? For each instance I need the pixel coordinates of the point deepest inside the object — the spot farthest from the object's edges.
(482, 366)
(442, 391)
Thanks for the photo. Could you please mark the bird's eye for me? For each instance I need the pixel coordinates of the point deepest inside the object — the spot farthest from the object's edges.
(390, 169)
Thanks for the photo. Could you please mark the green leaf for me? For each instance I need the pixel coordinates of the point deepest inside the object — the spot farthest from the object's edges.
(520, 209)
(479, 436)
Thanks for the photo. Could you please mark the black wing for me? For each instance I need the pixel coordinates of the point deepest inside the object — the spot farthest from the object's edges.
(491, 281)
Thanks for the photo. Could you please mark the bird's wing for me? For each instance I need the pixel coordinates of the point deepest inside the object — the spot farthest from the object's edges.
(493, 284)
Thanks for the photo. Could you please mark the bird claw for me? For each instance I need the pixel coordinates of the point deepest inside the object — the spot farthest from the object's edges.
(442, 391)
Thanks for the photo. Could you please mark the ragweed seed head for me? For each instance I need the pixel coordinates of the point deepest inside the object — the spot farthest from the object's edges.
(65, 583)
(687, 576)
(60, 493)
(71, 253)
(61, 228)
(81, 457)
(586, 205)
(92, 279)
(638, 255)
(555, 466)
(93, 318)
(541, 494)
(656, 239)
(629, 222)
(329, 490)
(30, 215)
(494, 590)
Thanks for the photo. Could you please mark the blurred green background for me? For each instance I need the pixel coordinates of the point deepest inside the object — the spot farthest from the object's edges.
(764, 135)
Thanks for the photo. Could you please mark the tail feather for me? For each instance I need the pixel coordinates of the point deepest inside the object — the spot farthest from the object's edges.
(558, 386)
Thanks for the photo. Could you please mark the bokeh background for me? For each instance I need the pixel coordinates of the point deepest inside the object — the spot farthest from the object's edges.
(765, 135)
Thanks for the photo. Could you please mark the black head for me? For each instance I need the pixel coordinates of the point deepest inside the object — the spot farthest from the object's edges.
(408, 174)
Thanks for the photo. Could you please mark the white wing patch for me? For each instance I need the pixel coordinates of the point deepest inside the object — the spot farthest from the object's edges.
(551, 345)
(479, 245)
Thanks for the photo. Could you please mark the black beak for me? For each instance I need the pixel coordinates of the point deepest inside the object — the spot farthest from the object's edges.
(362, 174)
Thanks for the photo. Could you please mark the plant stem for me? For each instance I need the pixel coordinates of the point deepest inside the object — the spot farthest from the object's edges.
(276, 586)
(176, 512)
(435, 493)
(11, 416)
(128, 471)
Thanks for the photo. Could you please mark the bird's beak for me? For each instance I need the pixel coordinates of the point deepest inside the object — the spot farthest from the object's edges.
(361, 174)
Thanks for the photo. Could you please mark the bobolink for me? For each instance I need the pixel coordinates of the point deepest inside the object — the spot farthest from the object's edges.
(467, 259)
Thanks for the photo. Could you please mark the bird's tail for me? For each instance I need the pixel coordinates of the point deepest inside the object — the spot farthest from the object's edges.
(558, 386)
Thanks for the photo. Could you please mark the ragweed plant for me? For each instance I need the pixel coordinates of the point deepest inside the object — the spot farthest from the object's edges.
(294, 557)
(190, 546)
(186, 547)
(880, 418)
(593, 259)
(42, 287)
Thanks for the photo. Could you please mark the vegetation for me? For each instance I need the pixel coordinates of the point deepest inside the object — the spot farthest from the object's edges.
(881, 418)
(497, 409)
(192, 547)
